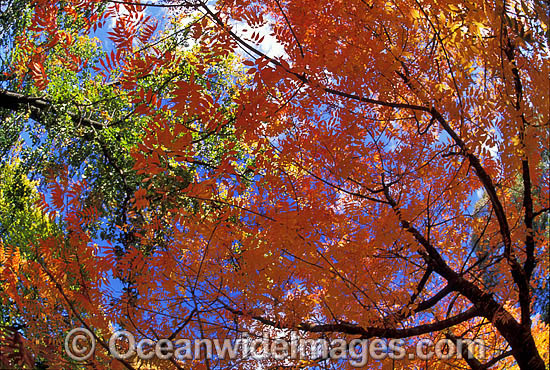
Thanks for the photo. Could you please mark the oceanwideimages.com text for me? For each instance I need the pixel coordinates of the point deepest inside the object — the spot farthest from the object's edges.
(80, 344)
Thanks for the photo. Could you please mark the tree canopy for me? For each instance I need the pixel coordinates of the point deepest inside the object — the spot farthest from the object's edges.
(339, 169)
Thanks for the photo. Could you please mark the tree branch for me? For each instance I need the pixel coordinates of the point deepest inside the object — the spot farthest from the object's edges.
(39, 107)
(369, 332)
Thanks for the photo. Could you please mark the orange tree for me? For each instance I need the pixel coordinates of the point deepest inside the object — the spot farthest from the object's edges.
(339, 198)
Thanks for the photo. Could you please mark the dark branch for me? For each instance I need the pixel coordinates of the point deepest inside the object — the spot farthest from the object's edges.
(369, 332)
(39, 107)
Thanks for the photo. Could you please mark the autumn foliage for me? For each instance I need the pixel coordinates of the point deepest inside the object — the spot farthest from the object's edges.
(351, 169)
